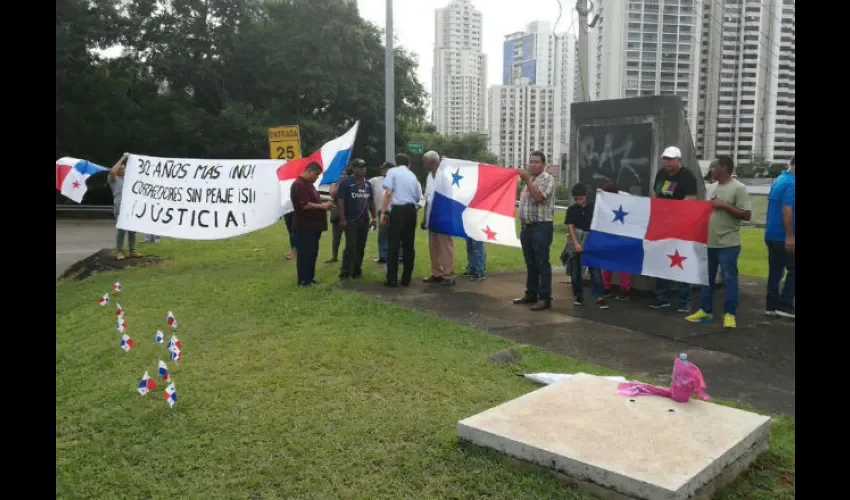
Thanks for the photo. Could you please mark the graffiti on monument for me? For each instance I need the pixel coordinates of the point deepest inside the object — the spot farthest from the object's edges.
(616, 153)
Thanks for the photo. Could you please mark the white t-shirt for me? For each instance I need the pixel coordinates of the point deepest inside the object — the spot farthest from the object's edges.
(377, 183)
(430, 184)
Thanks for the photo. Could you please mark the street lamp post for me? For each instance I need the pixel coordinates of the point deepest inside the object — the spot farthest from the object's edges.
(389, 86)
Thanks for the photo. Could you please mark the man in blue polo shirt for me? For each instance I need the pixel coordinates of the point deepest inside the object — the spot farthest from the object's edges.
(780, 237)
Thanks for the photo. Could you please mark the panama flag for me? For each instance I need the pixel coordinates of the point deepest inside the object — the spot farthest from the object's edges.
(174, 343)
(160, 337)
(332, 157)
(147, 384)
(103, 300)
(71, 175)
(116, 287)
(650, 237)
(170, 395)
(119, 311)
(474, 200)
(163, 371)
(176, 355)
(121, 324)
(126, 342)
(171, 320)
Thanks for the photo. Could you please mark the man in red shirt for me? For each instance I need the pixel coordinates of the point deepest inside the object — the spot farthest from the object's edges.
(309, 222)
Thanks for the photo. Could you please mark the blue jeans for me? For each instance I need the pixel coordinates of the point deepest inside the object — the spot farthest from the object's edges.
(662, 292)
(307, 242)
(536, 241)
(383, 239)
(780, 262)
(476, 258)
(727, 259)
(596, 287)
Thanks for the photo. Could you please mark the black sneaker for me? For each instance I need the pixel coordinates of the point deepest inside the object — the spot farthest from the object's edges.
(659, 304)
(607, 294)
(579, 301)
(477, 277)
(380, 261)
(432, 279)
(448, 282)
(684, 308)
(467, 273)
(602, 303)
(622, 296)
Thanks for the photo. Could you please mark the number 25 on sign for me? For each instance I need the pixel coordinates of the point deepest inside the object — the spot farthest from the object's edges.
(284, 142)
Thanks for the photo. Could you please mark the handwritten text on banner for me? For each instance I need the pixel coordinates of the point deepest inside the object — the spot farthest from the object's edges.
(199, 199)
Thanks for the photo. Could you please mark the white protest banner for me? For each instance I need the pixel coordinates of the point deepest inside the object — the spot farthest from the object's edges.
(198, 199)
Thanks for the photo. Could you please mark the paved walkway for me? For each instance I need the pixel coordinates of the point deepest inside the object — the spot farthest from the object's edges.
(753, 364)
(76, 239)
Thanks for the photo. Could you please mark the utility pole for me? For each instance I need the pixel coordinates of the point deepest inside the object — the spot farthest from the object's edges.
(389, 87)
(583, 64)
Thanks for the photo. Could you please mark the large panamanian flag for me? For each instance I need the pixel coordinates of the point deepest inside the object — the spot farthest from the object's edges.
(474, 200)
(650, 237)
(333, 156)
(71, 175)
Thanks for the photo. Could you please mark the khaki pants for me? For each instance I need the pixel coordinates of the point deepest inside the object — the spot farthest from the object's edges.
(442, 250)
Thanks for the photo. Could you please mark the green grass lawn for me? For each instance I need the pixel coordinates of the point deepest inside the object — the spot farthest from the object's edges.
(290, 393)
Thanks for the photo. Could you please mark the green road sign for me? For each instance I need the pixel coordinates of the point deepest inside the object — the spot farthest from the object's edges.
(415, 148)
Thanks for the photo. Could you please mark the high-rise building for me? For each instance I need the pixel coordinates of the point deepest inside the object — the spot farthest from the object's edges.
(530, 110)
(646, 47)
(747, 80)
(731, 62)
(460, 70)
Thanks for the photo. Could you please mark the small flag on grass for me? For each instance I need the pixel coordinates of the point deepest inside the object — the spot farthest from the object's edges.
(126, 342)
(146, 385)
(170, 395)
(163, 371)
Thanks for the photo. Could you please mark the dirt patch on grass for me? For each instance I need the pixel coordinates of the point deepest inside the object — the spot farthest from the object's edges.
(103, 261)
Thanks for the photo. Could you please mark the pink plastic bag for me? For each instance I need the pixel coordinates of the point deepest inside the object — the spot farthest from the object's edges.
(687, 380)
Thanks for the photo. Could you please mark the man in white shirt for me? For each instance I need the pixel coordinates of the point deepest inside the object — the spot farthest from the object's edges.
(402, 192)
(378, 190)
(440, 246)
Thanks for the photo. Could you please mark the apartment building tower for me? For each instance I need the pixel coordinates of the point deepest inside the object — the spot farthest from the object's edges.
(459, 74)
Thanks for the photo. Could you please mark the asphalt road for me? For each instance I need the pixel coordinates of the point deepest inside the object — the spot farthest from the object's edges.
(76, 239)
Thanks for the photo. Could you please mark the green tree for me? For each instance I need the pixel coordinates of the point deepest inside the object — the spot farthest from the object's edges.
(205, 78)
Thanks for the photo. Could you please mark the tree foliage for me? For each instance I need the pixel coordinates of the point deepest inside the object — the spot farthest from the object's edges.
(206, 78)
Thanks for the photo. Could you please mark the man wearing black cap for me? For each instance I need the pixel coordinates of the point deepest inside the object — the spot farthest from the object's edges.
(355, 204)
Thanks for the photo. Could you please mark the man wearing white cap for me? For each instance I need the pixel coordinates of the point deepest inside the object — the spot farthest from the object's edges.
(673, 182)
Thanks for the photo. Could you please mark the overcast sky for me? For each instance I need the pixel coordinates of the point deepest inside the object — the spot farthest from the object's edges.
(413, 23)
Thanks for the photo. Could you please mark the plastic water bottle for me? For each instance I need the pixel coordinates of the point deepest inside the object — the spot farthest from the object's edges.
(683, 358)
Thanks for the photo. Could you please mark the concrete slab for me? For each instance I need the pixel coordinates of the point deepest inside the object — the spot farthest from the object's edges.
(648, 448)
